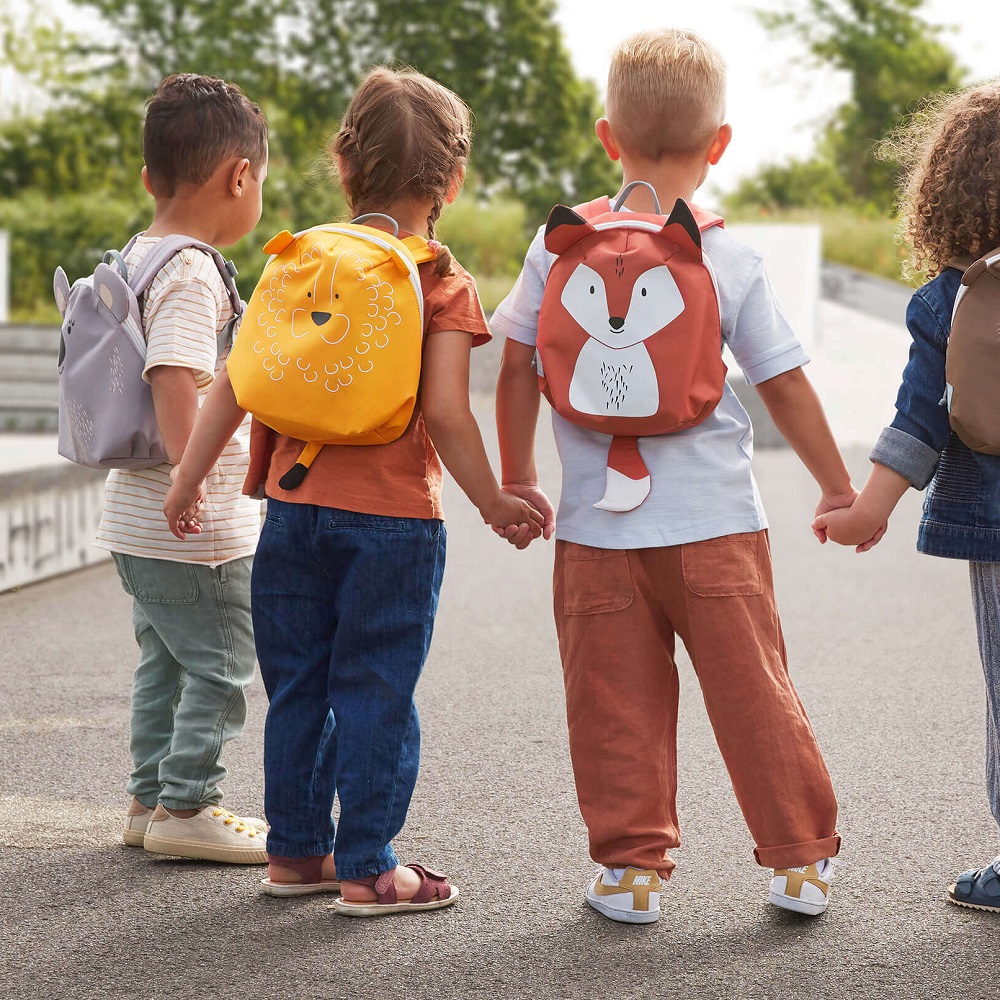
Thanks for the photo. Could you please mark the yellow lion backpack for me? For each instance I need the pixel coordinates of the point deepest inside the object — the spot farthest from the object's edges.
(330, 345)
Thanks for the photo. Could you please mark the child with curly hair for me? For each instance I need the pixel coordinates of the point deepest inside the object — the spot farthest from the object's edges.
(951, 212)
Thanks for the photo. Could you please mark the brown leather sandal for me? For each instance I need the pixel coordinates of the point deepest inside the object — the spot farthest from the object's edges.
(433, 893)
(310, 871)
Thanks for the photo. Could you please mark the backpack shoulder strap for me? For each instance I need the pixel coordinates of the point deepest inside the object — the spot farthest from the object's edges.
(420, 248)
(591, 209)
(163, 251)
(704, 218)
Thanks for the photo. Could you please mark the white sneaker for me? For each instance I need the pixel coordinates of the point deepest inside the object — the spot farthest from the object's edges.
(629, 895)
(136, 820)
(804, 890)
(213, 834)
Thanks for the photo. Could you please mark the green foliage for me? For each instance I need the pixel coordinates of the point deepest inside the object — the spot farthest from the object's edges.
(894, 58)
(73, 168)
(486, 237)
(813, 183)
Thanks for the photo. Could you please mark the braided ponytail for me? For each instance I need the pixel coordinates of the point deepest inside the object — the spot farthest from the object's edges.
(402, 135)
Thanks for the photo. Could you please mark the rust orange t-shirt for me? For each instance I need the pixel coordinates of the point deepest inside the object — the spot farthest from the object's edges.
(399, 479)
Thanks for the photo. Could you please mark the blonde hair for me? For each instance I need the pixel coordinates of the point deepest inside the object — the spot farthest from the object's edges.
(666, 93)
(402, 135)
(950, 196)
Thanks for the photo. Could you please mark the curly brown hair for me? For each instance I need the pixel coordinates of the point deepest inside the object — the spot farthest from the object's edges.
(402, 135)
(950, 198)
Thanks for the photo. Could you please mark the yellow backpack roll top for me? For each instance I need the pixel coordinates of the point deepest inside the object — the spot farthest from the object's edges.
(330, 345)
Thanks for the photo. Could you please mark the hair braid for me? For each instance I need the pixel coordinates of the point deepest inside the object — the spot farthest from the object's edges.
(402, 135)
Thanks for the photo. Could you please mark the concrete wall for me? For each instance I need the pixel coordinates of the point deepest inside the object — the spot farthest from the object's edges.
(48, 517)
(4, 276)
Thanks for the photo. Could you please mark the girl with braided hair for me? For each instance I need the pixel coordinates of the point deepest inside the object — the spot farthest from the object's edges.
(349, 564)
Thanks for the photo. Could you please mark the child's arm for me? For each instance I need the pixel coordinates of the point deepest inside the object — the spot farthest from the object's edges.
(798, 414)
(218, 420)
(453, 429)
(517, 402)
(175, 402)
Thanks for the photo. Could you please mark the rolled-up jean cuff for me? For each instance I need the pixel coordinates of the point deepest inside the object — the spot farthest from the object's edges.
(798, 855)
(907, 455)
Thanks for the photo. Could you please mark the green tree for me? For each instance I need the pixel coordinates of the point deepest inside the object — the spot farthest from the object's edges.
(300, 59)
(893, 56)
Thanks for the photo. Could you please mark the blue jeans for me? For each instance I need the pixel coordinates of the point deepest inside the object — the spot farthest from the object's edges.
(343, 610)
(196, 657)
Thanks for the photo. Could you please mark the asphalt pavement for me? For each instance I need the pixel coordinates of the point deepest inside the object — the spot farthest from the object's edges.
(882, 649)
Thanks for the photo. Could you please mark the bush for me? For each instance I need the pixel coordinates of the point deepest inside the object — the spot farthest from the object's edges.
(487, 238)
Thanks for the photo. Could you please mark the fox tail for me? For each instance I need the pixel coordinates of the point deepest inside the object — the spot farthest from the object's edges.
(628, 478)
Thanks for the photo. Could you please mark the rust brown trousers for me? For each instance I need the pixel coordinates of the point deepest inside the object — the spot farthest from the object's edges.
(617, 614)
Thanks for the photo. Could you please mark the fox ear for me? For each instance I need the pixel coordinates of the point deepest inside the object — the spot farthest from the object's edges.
(564, 228)
(683, 229)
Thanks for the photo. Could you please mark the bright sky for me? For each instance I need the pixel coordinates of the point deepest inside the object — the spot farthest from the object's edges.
(775, 102)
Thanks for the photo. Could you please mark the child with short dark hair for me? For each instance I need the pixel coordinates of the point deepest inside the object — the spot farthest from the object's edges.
(205, 149)
(951, 216)
(350, 561)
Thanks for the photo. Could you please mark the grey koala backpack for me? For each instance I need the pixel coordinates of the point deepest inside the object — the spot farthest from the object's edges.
(106, 416)
(972, 363)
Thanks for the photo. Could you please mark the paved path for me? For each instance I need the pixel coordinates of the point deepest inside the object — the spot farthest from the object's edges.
(883, 653)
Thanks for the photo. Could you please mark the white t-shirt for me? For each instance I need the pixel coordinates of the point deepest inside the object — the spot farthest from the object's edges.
(185, 309)
(702, 485)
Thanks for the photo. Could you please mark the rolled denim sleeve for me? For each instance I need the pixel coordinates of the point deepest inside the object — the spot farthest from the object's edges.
(907, 455)
(912, 444)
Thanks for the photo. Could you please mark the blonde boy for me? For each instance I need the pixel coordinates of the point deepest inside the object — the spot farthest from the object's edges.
(693, 559)
(205, 152)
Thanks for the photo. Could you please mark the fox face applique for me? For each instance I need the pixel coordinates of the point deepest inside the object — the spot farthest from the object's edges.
(629, 337)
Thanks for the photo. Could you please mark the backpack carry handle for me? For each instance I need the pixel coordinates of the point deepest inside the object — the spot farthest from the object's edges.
(628, 189)
(377, 215)
(114, 257)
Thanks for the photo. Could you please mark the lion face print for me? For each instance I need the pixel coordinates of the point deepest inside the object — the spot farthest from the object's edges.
(339, 311)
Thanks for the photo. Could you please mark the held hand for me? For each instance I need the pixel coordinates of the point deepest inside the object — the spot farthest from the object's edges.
(850, 527)
(183, 505)
(535, 496)
(831, 502)
(513, 519)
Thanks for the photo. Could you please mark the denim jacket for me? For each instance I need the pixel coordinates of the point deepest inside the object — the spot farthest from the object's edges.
(961, 518)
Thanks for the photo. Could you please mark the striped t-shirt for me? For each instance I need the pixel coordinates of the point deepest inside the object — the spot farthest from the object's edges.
(185, 309)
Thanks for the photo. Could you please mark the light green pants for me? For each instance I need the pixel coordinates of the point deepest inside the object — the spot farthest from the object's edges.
(192, 623)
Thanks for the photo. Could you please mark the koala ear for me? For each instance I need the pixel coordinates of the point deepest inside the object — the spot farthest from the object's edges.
(683, 229)
(564, 228)
(60, 288)
(112, 291)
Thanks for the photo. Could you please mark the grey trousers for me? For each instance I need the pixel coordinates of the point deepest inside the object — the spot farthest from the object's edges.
(986, 600)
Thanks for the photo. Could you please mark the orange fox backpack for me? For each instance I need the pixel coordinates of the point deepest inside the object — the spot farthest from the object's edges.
(972, 363)
(330, 346)
(629, 335)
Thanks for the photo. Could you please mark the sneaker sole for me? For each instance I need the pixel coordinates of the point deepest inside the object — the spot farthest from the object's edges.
(784, 902)
(970, 906)
(134, 838)
(624, 916)
(204, 852)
